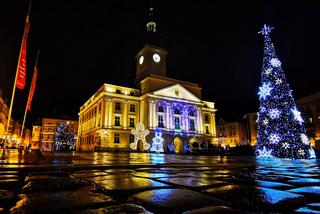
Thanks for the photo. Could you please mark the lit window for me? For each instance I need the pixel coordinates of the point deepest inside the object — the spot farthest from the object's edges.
(206, 118)
(116, 138)
(117, 121)
(118, 106)
(131, 124)
(132, 108)
(192, 128)
(176, 111)
(160, 121)
(160, 109)
(177, 123)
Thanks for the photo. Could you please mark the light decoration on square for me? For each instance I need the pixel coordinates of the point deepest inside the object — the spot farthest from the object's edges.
(297, 115)
(281, 132)
(157, 142)
(264, 153)
(274, 113)
(140, 133)
(264, 91)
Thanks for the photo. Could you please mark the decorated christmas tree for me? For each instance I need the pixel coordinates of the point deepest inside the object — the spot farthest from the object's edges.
(281, 131)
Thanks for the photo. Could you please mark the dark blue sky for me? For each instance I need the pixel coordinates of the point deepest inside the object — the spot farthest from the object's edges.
(84, 44)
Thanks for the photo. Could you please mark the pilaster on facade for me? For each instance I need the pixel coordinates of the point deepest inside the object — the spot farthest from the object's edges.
(125, 114)
(110, 102)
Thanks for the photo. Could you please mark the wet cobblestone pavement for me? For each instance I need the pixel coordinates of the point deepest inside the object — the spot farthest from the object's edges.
(156, 183)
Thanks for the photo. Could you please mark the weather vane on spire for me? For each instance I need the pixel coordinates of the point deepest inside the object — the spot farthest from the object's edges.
(266, 30)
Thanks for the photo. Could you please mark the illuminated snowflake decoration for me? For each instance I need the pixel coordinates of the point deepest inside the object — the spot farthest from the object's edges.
(264, 153)
(265, 121)
(262, 109)
(157, 143)
(140, 133)
(268, 71)
(285, 145)
(301, 152)
(264, 90)
(275, 62)
(274, 113)
(274, 138)
(304, 139)
(312, 153)
(297, 115)
(278, 81)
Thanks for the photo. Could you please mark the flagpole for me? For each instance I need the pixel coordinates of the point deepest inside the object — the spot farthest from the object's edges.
(15, 79)
(26, 109)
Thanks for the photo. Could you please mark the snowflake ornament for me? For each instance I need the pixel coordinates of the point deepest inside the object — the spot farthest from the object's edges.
(268, 71)
(301, 152)
(304, 139)
(264, 90)
(285, 145)
(274, 138)
(265, 121)
(278, 81)
(274, 113)
(297, 115)
(275, 62)
(264, 153)
(312, 153)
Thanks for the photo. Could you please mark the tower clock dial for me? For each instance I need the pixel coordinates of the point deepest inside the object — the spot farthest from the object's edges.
(141, 60)
(156, 58)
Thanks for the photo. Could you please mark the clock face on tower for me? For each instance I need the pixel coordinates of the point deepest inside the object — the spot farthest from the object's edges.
(141, 60)
(156, 57)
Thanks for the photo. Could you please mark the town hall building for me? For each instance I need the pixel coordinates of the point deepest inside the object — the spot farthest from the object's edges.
(162, 104)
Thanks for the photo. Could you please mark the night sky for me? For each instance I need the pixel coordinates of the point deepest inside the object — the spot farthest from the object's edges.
(84, 44)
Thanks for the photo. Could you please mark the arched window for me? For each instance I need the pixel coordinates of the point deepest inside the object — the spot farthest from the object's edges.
(176, 111)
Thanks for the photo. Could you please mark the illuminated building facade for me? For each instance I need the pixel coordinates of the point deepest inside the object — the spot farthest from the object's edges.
(251, 127)
(232, 133)
(48, 137)
(172, 106)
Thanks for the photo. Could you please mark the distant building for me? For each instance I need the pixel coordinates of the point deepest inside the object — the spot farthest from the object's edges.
(172, 106)
(48, 136)
(3, 116)
(231, 133)
(249, 120)
(310, 108)
(13, 137)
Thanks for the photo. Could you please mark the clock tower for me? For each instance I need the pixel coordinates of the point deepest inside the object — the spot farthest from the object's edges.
(151, 59)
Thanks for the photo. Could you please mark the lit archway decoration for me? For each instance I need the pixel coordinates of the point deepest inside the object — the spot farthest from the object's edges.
(140, 133)
(157, 142)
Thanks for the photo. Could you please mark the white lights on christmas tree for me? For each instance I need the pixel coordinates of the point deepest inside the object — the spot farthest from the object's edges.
(274, 113)
(281, 131)
(297, 115)
(264, 90)
(264, 153)
(275, 62)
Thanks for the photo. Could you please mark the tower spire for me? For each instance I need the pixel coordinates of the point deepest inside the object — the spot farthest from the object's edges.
(151, 24)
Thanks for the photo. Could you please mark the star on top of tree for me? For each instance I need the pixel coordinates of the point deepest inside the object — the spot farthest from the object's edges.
(266, 30)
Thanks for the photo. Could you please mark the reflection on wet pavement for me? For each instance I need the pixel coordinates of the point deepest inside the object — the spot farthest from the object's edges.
(158, 183)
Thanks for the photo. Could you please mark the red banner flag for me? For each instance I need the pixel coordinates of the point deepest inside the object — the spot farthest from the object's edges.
(21, 79)
(32, 88)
